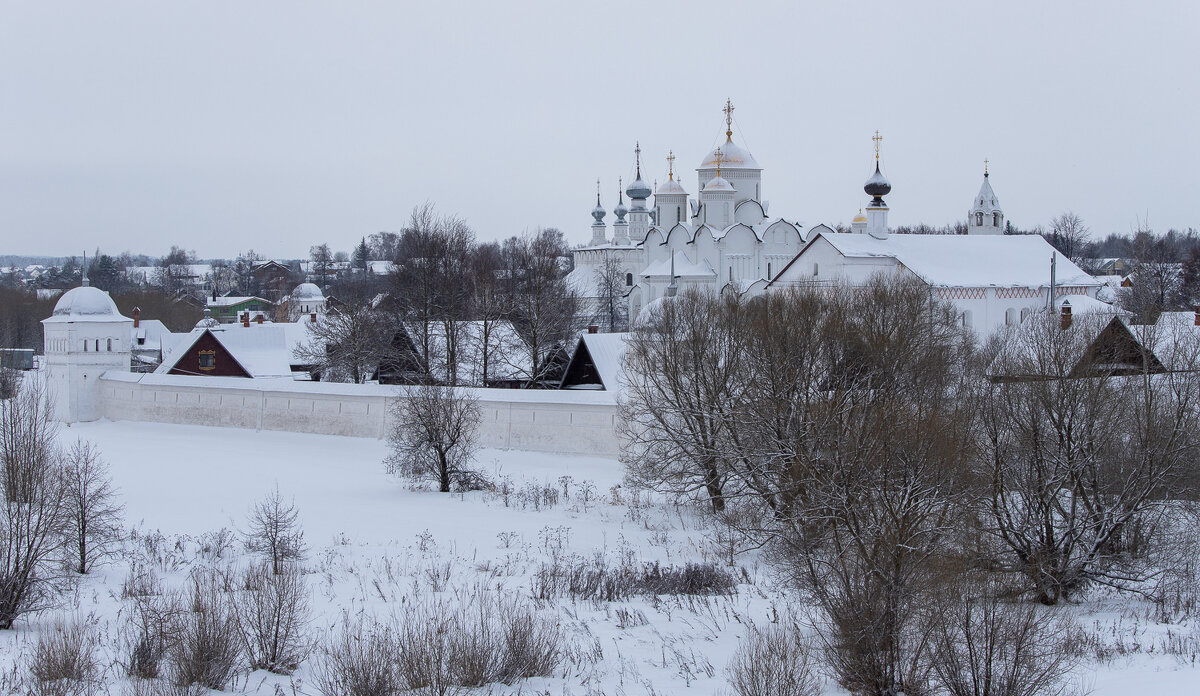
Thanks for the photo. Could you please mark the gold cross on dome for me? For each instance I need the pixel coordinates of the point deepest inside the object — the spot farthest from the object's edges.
(719, 156)
(985, 166)
(878, 139)
(637, 154)
(728, 119)
(671, 165)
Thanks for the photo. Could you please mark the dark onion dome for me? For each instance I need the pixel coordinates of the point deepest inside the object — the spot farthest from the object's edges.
(877, 186)
(598, 212)
(639, 189)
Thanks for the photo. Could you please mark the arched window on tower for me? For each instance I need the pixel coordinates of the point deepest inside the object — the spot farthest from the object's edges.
(629, 280)
(1010, 316)
(110, 345)
(678, 213)
(995, 219)
(979, 219)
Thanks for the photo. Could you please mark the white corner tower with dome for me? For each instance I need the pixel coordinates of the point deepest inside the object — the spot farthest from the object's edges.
(84, 337)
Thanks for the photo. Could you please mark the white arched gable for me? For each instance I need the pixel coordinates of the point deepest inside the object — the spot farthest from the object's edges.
(749, 212)
(790, 233)
(678, 234)
(654, 237)
(821, 228)
(738, 233)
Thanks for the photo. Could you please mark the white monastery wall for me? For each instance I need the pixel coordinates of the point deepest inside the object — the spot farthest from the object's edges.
(567, 422)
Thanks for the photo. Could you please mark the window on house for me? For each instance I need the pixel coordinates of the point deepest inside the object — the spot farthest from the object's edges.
(208, 359)
(816, 270)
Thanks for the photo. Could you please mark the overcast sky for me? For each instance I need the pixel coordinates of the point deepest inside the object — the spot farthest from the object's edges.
(224, 126)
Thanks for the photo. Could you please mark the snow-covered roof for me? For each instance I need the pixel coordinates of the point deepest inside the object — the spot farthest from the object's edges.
(381, 267)
(1174, 339)
(1082, 304)
(718, 183)
(307, 292)
(684, 268)
(670, 187)
(85, 303)
(151, 335)
(969, 260)
(732, 157)
(230, 300)
(608, 355)
(263, 350)
(986, 200)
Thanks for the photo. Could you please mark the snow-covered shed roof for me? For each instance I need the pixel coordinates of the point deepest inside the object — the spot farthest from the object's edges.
(263, 350)
(1082, 304)
(684, 268)
(968, 260)
(606, 353)
(230, 300)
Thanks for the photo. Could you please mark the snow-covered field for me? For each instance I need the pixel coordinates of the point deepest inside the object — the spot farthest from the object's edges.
(374, 543)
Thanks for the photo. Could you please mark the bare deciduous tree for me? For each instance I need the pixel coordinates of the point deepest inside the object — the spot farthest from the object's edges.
(613, 308)
(683, 370)
(93, 514)
(1069, 234)
(349, 344)
(32, 508)
(1080, 465)
(543, 307)
(274, 531)
(434, 435)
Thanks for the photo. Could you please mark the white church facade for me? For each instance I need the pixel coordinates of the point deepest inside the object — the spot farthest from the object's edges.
(724, 241)
(722, 238)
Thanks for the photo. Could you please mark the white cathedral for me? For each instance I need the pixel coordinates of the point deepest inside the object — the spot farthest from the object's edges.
(724, 241)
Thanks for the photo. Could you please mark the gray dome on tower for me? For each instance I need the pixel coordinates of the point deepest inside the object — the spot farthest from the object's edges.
(877, 186)
(620, 211)
(638, 190)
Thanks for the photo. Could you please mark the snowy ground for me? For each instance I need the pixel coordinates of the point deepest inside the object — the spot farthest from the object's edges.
(374, 542)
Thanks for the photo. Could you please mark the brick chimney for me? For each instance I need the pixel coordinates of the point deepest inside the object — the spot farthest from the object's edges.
(594, 328)
(1065, 318)
(259, 318)
(137, 317)
(246, 319)
(313, 317)
(1196, 320)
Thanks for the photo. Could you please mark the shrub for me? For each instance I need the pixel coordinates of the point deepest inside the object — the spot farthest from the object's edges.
(360, 661)
(206, 651)
(273, 615)
(773, 661)
(986, 646)
(64, 662)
